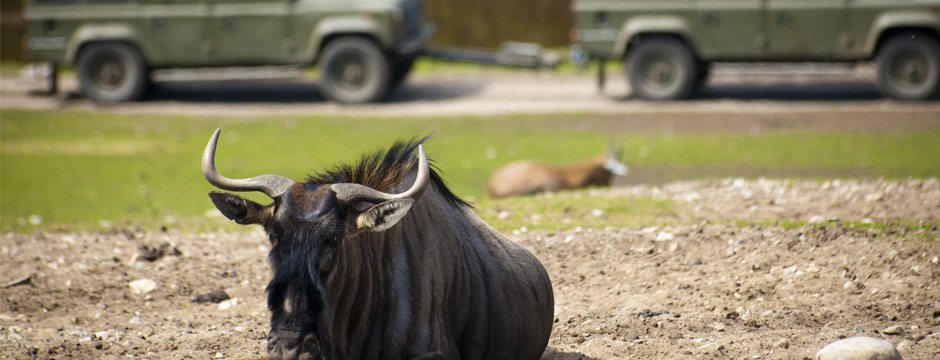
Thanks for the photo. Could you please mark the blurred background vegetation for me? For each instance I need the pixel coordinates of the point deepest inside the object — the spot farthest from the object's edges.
(11, 29)
(489, 23)
(477, 24)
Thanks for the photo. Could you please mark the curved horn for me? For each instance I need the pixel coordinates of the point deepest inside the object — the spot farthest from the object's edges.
(347, 193)
(271, 185)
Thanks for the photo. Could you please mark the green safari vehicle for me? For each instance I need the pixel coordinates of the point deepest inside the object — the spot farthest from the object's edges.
(362, 48)
(667, 45)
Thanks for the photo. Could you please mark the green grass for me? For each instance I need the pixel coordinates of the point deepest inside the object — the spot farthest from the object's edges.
(77, 169)
(575, 209)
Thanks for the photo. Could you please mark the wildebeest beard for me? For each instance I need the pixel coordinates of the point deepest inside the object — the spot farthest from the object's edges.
(296, 294)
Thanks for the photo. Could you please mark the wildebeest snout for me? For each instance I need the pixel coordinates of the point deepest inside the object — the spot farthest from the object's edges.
(293, 345)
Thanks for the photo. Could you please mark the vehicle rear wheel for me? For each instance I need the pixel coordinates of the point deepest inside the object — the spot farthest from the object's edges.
(909, 67)
(354, 70)
(111, 72)
(662, 68)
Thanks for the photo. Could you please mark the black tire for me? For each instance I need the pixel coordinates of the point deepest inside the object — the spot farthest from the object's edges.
(354, 70)
(111, 72)
(662, 68)
(400, 70)
(909, 67)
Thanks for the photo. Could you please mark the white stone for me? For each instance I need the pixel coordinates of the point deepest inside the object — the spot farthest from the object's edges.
(859, 348)
(893, 330)
(228, 304)
(142, 286)
(664, 236)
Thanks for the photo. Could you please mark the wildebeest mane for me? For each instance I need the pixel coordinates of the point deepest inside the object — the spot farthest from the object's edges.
(383, 170)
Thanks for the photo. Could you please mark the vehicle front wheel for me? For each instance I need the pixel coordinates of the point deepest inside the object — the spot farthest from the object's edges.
(354, 70)
(662, 68)
(909, 67)
(111, 72)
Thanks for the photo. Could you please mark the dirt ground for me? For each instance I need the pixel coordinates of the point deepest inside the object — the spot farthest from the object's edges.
(708, 287)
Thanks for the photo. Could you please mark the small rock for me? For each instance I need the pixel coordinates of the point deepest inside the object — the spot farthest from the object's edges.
(597, 213)
(859, 348)
(694, 262)
(13, 333)
(135, 321)
(717, 326)
(35, 220)
(905, 345)
(664, 236)
(893, 330)
(142, 286)
(228, 304)
(782, 343)
(23, 280)
(154, 253)
(711, 348)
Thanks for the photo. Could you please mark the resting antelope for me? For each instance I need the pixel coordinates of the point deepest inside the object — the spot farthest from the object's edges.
(531, 177)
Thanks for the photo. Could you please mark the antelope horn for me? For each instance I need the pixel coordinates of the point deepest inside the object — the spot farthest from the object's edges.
(271, 185)
(348, 193)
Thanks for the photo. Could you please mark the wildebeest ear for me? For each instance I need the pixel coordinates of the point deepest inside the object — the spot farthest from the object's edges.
(240, 210)
(384, 215)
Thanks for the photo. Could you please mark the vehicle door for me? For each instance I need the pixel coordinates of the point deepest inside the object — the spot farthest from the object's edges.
(250, 32)
(729, 29)
(807, 29)
(175, 30)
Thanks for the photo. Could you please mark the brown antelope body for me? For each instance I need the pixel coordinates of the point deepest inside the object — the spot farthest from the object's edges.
(379, 260)
(532, 177)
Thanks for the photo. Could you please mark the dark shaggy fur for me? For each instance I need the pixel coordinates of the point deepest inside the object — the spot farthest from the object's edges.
(382, 170)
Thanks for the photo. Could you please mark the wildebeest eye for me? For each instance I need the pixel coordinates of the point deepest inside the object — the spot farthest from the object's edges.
(272, 237)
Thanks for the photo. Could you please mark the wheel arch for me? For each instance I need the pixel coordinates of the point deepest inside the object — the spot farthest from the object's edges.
(893, 24)
(330, 29)
(637, 29)
(103, 33)
(890, 33)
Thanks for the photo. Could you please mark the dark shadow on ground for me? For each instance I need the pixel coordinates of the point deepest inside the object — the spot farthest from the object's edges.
(554, 354)
(848, 91)
(288, 92)
(792, 92)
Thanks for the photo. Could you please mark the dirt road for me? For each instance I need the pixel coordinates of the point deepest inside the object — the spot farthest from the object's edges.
(705, 288)
(767, 90)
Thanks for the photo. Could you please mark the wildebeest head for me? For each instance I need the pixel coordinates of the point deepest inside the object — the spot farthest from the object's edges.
(305, 224)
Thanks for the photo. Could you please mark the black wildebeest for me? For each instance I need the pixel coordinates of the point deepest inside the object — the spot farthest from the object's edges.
(380, 260)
